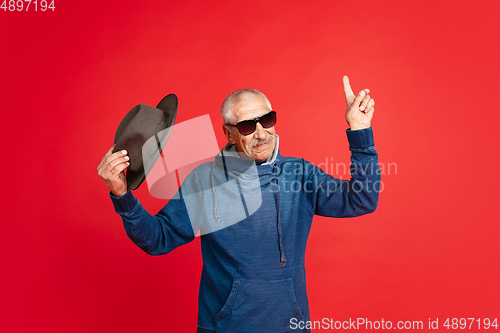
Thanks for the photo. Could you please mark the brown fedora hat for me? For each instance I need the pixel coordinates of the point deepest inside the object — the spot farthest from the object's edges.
(140, 124)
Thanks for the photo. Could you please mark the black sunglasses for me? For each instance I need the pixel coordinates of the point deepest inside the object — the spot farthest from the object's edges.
(247, 127)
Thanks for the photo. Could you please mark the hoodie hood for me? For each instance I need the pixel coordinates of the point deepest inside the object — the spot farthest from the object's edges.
(248, 176)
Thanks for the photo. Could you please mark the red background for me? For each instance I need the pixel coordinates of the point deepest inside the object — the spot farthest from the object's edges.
(68, 77)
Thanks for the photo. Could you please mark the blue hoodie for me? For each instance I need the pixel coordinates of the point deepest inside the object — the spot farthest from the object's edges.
(253, 238)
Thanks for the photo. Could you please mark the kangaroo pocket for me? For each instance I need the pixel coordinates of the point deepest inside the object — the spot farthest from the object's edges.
(259, 306)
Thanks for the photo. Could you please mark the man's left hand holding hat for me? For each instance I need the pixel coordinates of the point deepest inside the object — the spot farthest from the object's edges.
(111, 171)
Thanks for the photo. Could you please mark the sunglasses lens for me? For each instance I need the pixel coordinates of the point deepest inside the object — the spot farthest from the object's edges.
(268, 120)
(246, 127)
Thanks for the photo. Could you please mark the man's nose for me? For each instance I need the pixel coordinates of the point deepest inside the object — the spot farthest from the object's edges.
(260, 132)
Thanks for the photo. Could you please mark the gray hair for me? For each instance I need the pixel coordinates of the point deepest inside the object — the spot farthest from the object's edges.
(236, 96)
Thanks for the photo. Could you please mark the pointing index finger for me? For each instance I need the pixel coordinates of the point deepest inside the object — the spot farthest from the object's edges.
(347, 88)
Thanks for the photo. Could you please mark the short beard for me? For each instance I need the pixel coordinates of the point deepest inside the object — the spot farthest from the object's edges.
(256, 142)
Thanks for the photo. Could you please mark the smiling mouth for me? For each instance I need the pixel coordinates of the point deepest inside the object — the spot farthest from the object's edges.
(261, 146)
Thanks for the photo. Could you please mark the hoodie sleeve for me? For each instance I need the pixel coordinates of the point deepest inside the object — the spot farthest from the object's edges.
(328, 196)
(154, 234)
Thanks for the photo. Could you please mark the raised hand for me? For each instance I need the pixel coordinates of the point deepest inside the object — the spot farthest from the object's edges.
(111, 171)
(360, 107)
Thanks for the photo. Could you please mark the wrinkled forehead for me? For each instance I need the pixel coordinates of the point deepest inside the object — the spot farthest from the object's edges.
(250, 107)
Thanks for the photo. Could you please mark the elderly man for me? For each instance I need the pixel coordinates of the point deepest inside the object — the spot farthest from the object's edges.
(253, 277)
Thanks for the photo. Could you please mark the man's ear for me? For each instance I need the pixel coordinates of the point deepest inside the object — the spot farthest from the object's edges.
(228, 134)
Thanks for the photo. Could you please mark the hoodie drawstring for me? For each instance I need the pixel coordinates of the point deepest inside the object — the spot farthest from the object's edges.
(214, 191)
(280, 242)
